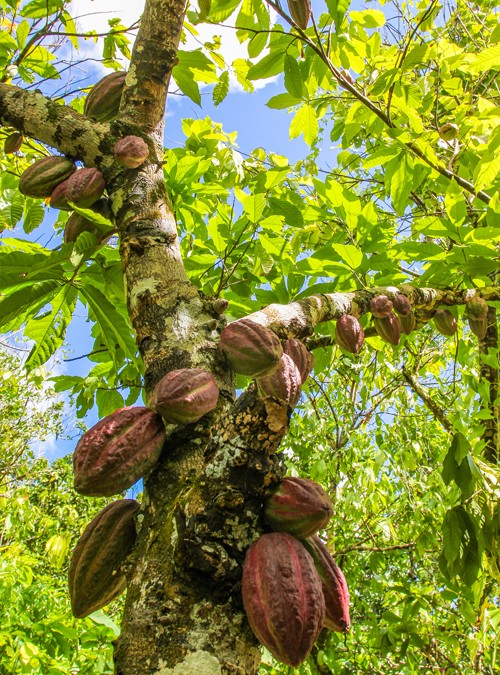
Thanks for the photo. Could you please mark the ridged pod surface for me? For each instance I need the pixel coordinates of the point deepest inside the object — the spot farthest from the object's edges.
(117, 451)
(478, 326)
(13, 143)
(349, 334)
(40, 179)
(334, 584)
(131, 151)
(75, 225)
(250, 348)
(183, 396)
(299, 506)
(93, 579)
(284, 383)
(283, 596)
(84, 187)
(388, 328)
(408, 323)
(477, 307)
(445, 322)
(299, 354)
(300, 11)
(402, 305)
(381, 306)
(58, 198)
(103, 100)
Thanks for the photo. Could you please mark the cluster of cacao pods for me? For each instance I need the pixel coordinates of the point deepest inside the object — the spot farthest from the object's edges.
(291, 585)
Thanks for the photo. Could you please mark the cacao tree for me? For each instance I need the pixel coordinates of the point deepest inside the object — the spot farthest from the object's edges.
(164, 246)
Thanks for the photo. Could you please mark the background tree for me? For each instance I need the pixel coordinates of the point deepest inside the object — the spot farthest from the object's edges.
(412, 204)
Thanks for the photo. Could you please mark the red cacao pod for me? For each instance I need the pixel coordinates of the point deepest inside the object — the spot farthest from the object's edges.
(250, 348)
(117, 451)
(477, 307)
(13, 143)
(445, 322)
(75, 225)
(282, 596)
(284, 383)
(334, 586)
(40, 179)
(402, 305)
(299, 506)
(58, 198)
(184, 396)
(300, 11)
(388, 328)
(93, 576)
(84, 187)
(478, 326)
(381, 306)
(103, 100)
(302, 358)
(131, 151)
(408, 323)
(349, 334)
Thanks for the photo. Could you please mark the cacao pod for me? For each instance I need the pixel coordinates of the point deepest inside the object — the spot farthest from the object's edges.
(478, 326)
(349, 334)
(40, 179)
(282, 596)
(117, 451)
(103, 100)
(131, 151)
(13, 143)
(184, 396)
(75, 225)
(84, 187)
(334, 585)
(445, 322)
(250, 348)
(284, 383)
(408, 323)
(388, 328)
(477, 307)
(401, 304)
(58, 198)
(302, 358)
(93, 576)
(381, 306)
(448, 131)
(299, 506)
(300, 11)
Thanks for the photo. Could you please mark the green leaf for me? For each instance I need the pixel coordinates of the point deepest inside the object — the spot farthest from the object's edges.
(282, 101)
(253, 205)
(305, 122)
(351, 255)
(270, 65)
(293, 77)
(221, 89)
(22, 33)
(22, 304)
(39, 9)
(183, 77)
(220, 10)
(455, 204)
(487, 59)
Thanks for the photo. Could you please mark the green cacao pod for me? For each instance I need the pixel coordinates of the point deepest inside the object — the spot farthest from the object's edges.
(388, 327)
(184, 396)
(94, 579)
(408, 323)
(75, 225)
(334, 585)
(402, 305)
(477, 307)
(300, 11)
(117, 451)
(131, 151)
(349, 334)
(448, 131)
(302, 358)
(103, 100)
(283, 384)
(478, 326)
(84, 187)
(299, 506)
(13, 143)
(381, 306)
(40, 179)
(445, 322)
(250, 348)
(283, 597)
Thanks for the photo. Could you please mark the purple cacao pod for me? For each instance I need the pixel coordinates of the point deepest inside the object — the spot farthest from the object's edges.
(381, 306)
(103, 100)
(388, 328)
(131, 151)
(184, 396)
(445, 322)
(299, 506)
(84, 187)
(300, 11)
(59, 199)
(402, 305)
(349, 334)
(283, 384)
(117, 451)
(250, 348)
(94, 579)
(334, 584)
(302, 358)
(283, 596)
